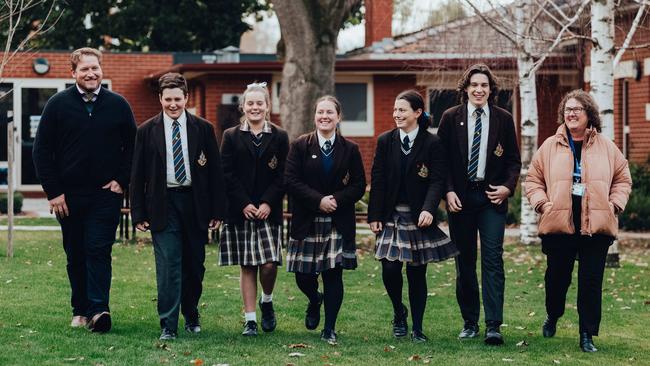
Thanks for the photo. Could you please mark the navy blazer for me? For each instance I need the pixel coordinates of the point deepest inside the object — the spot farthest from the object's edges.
(503, 163)
(426, 174)
(149, 175)
(307, 184)
(242, 169)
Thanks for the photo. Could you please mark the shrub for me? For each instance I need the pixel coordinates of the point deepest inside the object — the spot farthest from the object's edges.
(18, 202)
(637, 212)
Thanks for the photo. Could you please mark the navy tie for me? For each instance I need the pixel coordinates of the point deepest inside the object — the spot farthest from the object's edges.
(177, 149)
(406, 146)
(472, 165)
(327, 148)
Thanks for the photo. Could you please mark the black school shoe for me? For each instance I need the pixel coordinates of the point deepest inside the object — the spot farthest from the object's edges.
(400, 325)
(493, 336)
(312, 315)
(587, 343)
(268, 316)
(250, 329)
(549, 327)
(470, 330)
(418, 337)
(167, 335)
(328, 335)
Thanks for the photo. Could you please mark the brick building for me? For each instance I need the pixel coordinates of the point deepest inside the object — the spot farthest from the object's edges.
(367, 81)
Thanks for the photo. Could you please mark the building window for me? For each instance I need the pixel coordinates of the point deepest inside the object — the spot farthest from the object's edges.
(356, 97)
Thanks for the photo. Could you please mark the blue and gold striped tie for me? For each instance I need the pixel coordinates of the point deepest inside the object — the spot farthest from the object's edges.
(472, 165)
(177, 148)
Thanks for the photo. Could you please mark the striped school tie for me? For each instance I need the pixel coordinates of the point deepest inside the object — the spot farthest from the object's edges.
(472, 165)
(406, 145)
(327, 148)
(177, 149)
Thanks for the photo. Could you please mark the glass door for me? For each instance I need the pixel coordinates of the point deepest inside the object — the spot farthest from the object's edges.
(33, 101)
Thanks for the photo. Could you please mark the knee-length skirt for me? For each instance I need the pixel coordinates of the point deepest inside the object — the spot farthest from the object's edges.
(320, 250)
(250, 243)
(401, 240)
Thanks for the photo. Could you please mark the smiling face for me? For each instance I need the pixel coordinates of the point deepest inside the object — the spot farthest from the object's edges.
(478, 90)
(404, 116)
(88, 73)
(575, 117)
(255, 107)
(173, 102)
(326, 118)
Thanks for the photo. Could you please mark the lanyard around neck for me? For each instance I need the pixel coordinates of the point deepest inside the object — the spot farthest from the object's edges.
(577, 168)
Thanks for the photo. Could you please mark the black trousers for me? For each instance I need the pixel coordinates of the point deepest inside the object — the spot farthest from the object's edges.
(180, 253)
(561, 252)
(88, 236)
(479, 215)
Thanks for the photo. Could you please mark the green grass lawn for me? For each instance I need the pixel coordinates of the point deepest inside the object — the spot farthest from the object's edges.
(31, 221)
(34, 316)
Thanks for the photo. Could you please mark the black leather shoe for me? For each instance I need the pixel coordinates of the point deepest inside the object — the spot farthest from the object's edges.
(193, 328)
(493, 336)
(418, 337)
(167, 335)
(400, 325)
(470, 330)
(250, 329)
(100, 322)
(549, 327)
(328, 335)
(312, 315)
(587, 343)
(268, 316)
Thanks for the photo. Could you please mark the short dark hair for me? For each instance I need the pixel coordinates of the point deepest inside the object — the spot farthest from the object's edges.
(464, 81)
(416, 102)
(76, 55)
(172, 80)
(588, 103)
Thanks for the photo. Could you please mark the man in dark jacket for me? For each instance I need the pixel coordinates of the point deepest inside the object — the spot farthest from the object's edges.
(82, 154)
(177, 192)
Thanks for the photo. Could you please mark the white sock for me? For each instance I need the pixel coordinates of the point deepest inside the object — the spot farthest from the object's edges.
(250, 316)
(267, 298)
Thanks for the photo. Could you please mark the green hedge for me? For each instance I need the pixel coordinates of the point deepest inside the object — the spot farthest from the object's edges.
(18, 202)
(636, 216)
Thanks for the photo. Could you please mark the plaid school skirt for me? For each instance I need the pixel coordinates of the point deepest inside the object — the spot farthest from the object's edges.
(401, 240)
(321, 250)
(250, 243)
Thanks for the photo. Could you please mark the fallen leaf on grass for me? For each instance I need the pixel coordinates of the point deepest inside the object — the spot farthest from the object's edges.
(522, 343)
(532, 313)
(299, 345)
(111, 348)
(625, 308)
(647, 302)
(415, 358)
(557, 362)
(197, 362)
(187, 353)
(507, 359)
(519, 327)
(291, 298)
(389, 348)
(296, 354)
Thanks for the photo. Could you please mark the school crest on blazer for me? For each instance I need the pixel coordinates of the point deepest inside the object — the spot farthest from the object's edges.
(202, 159)
(346, 179)
(273, 163)
(423, 170)
(499, 150)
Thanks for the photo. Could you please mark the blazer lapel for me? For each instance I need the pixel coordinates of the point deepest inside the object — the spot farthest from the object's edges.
(159, 138)
(415, 150)
(493, 134)
(266, 141)
(192, 137)
(461, 131)
(313, 149)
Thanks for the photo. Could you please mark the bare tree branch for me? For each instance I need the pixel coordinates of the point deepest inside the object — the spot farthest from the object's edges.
(630, 33)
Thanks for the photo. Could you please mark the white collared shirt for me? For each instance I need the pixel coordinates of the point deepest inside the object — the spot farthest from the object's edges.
(171, 176)
(321, 140)
(485, 128)
(412, 135)
(83, 92)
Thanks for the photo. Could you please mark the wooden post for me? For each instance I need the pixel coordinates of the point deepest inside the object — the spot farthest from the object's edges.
(10, 184)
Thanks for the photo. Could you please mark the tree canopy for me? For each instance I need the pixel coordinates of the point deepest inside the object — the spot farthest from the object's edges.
(144, 25)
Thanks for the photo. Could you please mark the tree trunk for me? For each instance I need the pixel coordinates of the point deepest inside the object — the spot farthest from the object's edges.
(529, 123)
(602, 77)
(309, 31)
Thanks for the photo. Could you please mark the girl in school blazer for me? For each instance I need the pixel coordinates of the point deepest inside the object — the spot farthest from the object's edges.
(253, 156)
(324, 178)
(408, 181)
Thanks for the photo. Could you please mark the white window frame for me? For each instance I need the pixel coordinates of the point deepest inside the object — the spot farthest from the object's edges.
(352, 128)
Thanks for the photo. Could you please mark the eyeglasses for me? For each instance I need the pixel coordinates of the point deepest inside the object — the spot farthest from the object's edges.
(576, 110)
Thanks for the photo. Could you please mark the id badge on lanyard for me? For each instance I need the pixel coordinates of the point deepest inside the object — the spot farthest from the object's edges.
(577, 188)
